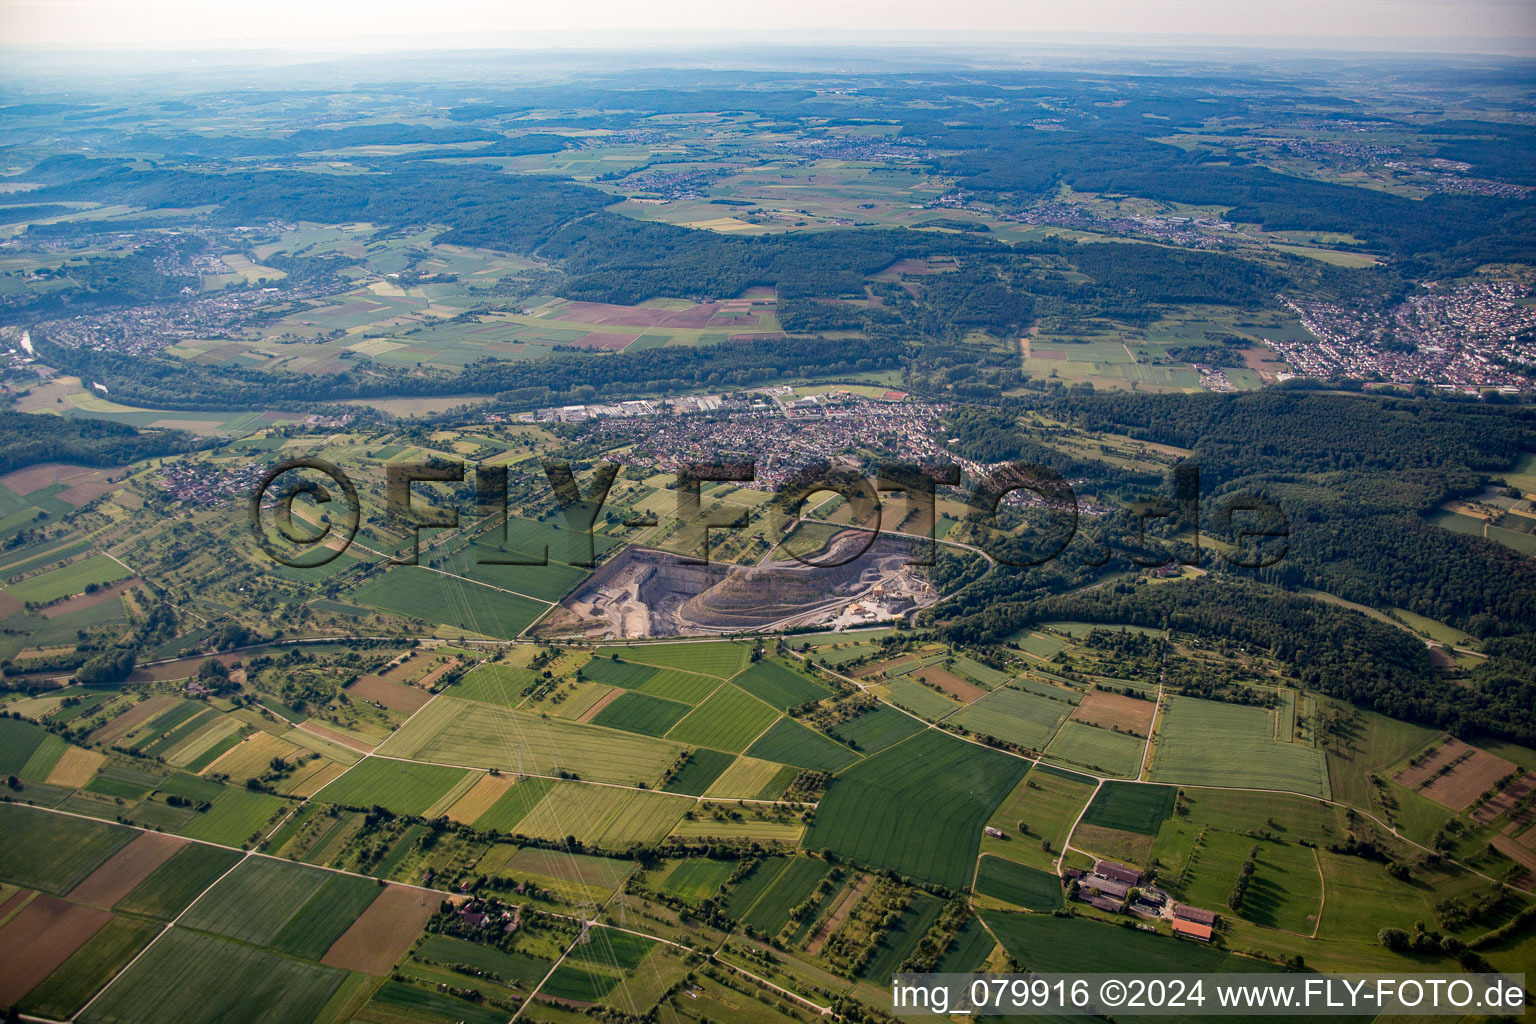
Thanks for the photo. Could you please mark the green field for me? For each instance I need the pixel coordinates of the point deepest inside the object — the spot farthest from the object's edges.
(920, 700)
(1028, 720)
(19, 741)
(235, 818)
(485, 736)
(513, 805)
(495, 684)
(71, 579)
(53, 852)
(327, 914)
(638, 712)
(789, 742)
(186, 978)
(674, 684)
(604, 816)
(1112, 753)
(177, 882)
(1208, 743)
(916, 807)
(712, 658)
(88, 968)
(255, 901)
(612, 948)
(799, 878)
(518, 967)
(729, 720)
(1131, 807)
(617, 673)
(877, 729)
(696, 879)
(397, 1001)
(402, 786)
(703, 768)
(1043, 942)
(420, 593)
(580, 983)
(780, 686)
(1048, 805)
(1022, 886)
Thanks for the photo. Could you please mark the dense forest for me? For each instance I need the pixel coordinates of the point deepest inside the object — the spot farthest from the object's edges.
(30, 440)
(1338, 652)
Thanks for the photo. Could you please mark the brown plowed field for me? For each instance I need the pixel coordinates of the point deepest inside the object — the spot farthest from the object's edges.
(125, 869)
(399, 696)
(1107, 710)
(1472, 772)
(380, 937)
(963, 689)
(82, 601)
(39, 939)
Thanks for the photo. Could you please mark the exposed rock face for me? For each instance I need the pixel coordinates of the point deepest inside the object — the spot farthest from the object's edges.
(643, 592)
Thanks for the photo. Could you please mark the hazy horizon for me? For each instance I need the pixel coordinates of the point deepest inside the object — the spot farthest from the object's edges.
(1494, 27)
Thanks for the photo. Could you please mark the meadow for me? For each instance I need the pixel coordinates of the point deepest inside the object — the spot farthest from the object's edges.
(1014, 716)
(728, 720)
(789, 742)
(778, 685)
(1023, 886)
(485, 736)
(1048, 805)
(184, 978)
(70, 579)
(640, 713)
(916, 807)
(420, 593)
(51, 852)
(402, 786)
(1217, 744)
(1130, 807)
(876, 729)
(1111, 753)
(696, 879)
(919, 700)
(605, 816)
(712, 658)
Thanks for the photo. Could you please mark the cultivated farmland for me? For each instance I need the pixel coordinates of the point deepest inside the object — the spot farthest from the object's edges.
(485, 736)
(405, 787)
(1026, 719)
(789, 742)
(1215, 744)
(728, 720)
(780, 686)
(916, 807)
(185, 978)
(1022, 886)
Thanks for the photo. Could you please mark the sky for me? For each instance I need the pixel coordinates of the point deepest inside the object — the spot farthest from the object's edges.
(365, 25)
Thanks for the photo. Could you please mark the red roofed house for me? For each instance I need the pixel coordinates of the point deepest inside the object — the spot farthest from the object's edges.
(1194, 931)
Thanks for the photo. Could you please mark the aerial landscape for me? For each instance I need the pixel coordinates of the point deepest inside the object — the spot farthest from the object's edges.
(682, 535)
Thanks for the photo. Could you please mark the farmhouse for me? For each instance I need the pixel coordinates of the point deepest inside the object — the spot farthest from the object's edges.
(1107, 886)
(1119, 872)
(1102, 903)
(1192, 930)
(1194, 915)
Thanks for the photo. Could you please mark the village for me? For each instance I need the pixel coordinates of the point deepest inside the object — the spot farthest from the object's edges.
(1474, 336)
